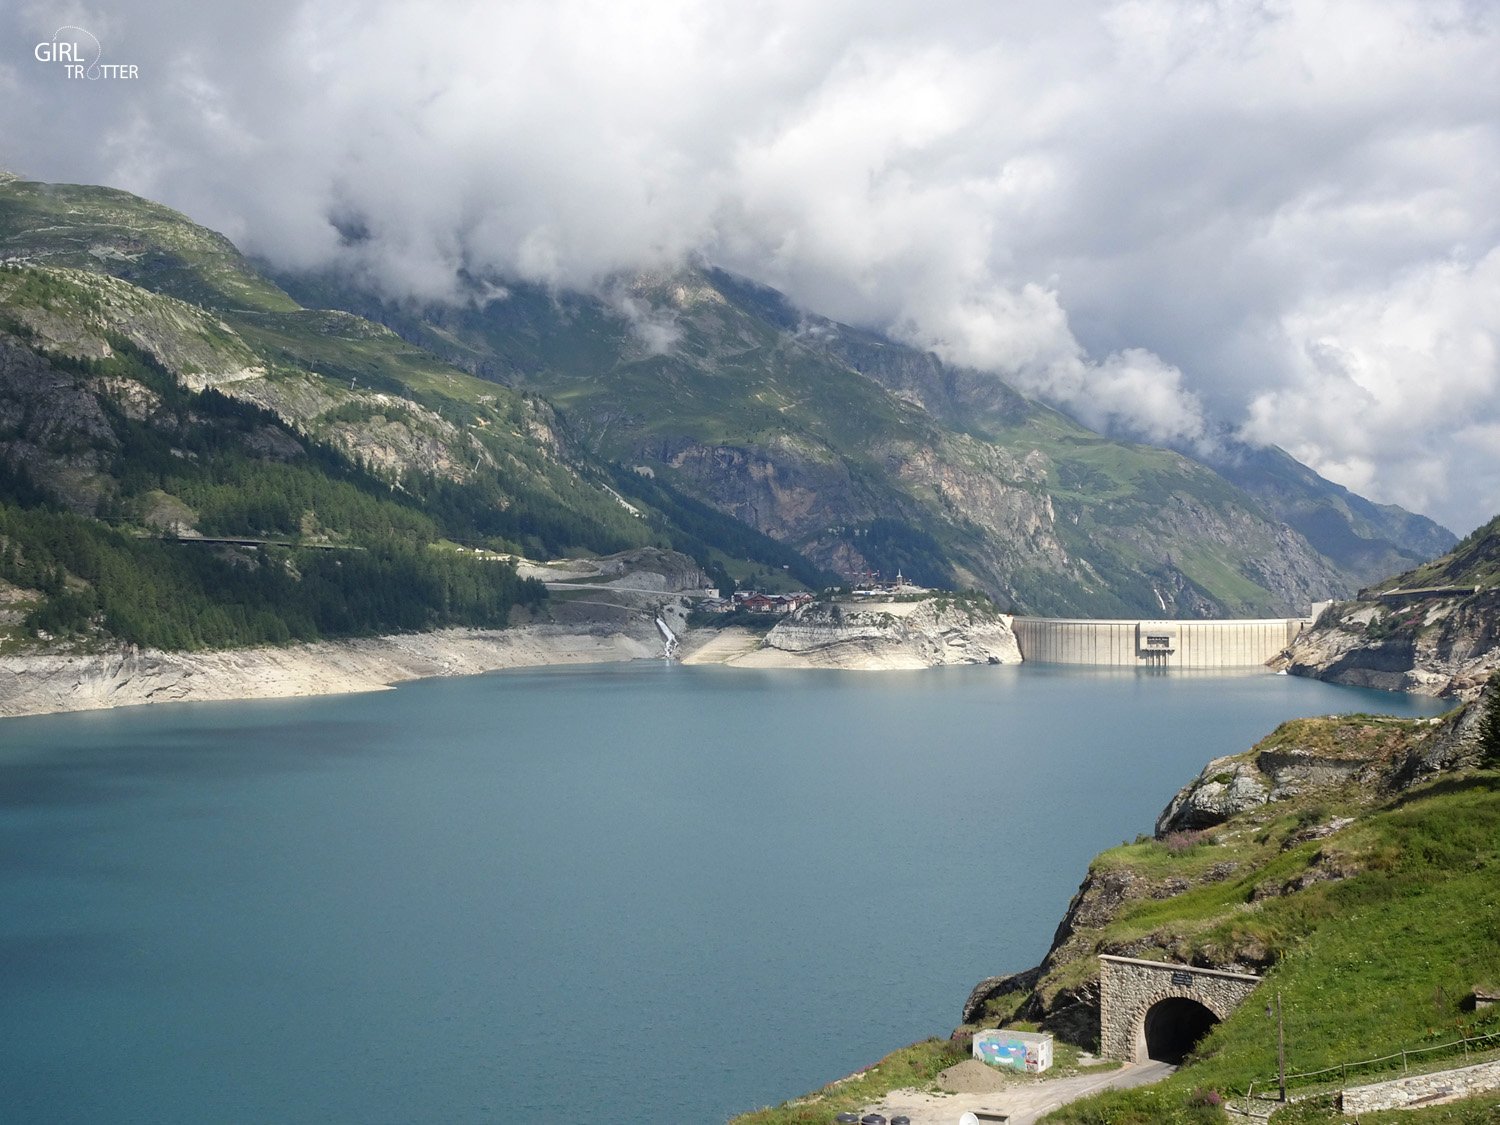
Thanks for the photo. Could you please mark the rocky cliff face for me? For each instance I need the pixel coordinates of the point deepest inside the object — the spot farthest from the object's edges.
(1444, 645)
(53, 429)
(1434, 630)
(892, 635)
(786, 488)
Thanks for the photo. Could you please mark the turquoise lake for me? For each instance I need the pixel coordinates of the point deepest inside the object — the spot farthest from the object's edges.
(625, 893)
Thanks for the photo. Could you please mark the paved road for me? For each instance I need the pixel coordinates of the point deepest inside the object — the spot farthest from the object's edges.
(600, 588)
(1026, 1100)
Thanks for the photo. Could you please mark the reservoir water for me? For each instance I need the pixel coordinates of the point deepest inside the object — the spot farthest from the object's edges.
(628, 893)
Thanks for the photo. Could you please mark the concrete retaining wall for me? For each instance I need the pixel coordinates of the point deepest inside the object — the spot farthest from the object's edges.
(1155, 644)
(1402, 1092)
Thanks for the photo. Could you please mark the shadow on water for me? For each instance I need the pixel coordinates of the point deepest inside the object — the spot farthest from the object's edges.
(101, 774)
(61, 851)
(59, 958)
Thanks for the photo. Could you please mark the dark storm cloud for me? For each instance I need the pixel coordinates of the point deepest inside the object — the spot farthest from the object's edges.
(1279, 215)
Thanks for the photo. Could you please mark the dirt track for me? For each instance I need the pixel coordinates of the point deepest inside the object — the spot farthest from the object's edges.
(977, 1086)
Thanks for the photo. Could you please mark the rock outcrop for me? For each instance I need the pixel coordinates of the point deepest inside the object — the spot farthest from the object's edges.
(1435, 644)
(1225, 787)
(1306, 756)
(892, 635)
(1434, 630)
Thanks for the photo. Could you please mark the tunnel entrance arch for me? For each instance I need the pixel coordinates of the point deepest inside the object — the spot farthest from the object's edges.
(1158, 1009)
(1172, 1028)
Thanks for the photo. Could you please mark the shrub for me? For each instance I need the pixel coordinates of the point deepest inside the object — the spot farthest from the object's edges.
(1178, 842)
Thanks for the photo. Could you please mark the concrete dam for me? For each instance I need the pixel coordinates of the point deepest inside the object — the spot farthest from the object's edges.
(1233, 643)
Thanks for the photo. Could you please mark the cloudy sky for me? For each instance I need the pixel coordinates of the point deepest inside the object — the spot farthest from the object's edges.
(1173, 218)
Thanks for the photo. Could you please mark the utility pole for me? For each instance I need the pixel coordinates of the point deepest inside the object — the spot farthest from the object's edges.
(1280, 1047)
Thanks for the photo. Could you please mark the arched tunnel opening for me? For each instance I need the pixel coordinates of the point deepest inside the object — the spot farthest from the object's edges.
(1175, 1026)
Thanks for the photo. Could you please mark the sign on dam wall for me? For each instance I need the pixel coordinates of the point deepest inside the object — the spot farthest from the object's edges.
(1231, 643)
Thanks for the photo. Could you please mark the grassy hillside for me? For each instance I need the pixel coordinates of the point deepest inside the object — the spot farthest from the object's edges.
(1371, 965)
(1372, 905)
(1475, 561)
(109, 231)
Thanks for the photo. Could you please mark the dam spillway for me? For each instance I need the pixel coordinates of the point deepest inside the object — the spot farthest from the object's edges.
(1227, 643)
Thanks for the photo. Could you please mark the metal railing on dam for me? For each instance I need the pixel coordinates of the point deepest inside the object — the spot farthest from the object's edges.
(1227, 643)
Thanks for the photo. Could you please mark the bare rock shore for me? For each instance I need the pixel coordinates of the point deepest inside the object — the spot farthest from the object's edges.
(46, 683)
(1442, 645)
(898, 635)
(874, 636)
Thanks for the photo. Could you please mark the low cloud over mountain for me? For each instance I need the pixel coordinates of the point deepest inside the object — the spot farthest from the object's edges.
(1167, 216)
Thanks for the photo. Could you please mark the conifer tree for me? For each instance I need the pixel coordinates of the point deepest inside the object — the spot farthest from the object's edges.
(1489, 723)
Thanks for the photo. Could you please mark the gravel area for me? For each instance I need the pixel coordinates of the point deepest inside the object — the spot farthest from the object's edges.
(1025, 1099)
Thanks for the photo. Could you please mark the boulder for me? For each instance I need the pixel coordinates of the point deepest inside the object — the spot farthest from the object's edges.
(1226, 786)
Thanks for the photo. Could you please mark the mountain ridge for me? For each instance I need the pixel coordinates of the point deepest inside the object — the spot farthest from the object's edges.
(1000, 488)
(213, 404)
(682, 400)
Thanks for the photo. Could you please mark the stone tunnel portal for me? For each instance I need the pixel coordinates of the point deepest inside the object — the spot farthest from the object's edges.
(1173, 1027)
(1161, 1010)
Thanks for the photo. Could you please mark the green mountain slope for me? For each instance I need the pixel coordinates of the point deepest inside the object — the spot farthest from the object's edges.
(1473, 562)
(153, 383)
(105, 230)
(1367, 540)
(519, 409)
(105, 464)
(864, 454)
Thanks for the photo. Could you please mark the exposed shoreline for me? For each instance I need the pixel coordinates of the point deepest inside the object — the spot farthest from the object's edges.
(868, 637)
(53, 683)
(48, 683)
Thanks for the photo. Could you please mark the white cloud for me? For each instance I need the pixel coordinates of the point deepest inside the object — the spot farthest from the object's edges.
(1277, 214)
(1395, 388)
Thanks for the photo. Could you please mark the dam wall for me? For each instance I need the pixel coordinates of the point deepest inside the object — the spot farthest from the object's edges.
(1232, 643)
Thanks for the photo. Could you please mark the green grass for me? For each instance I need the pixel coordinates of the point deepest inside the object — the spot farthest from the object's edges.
(1351, 735)
(1148, 1105)
(1481, 1110)
(1376, 963)
(1212, 571)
